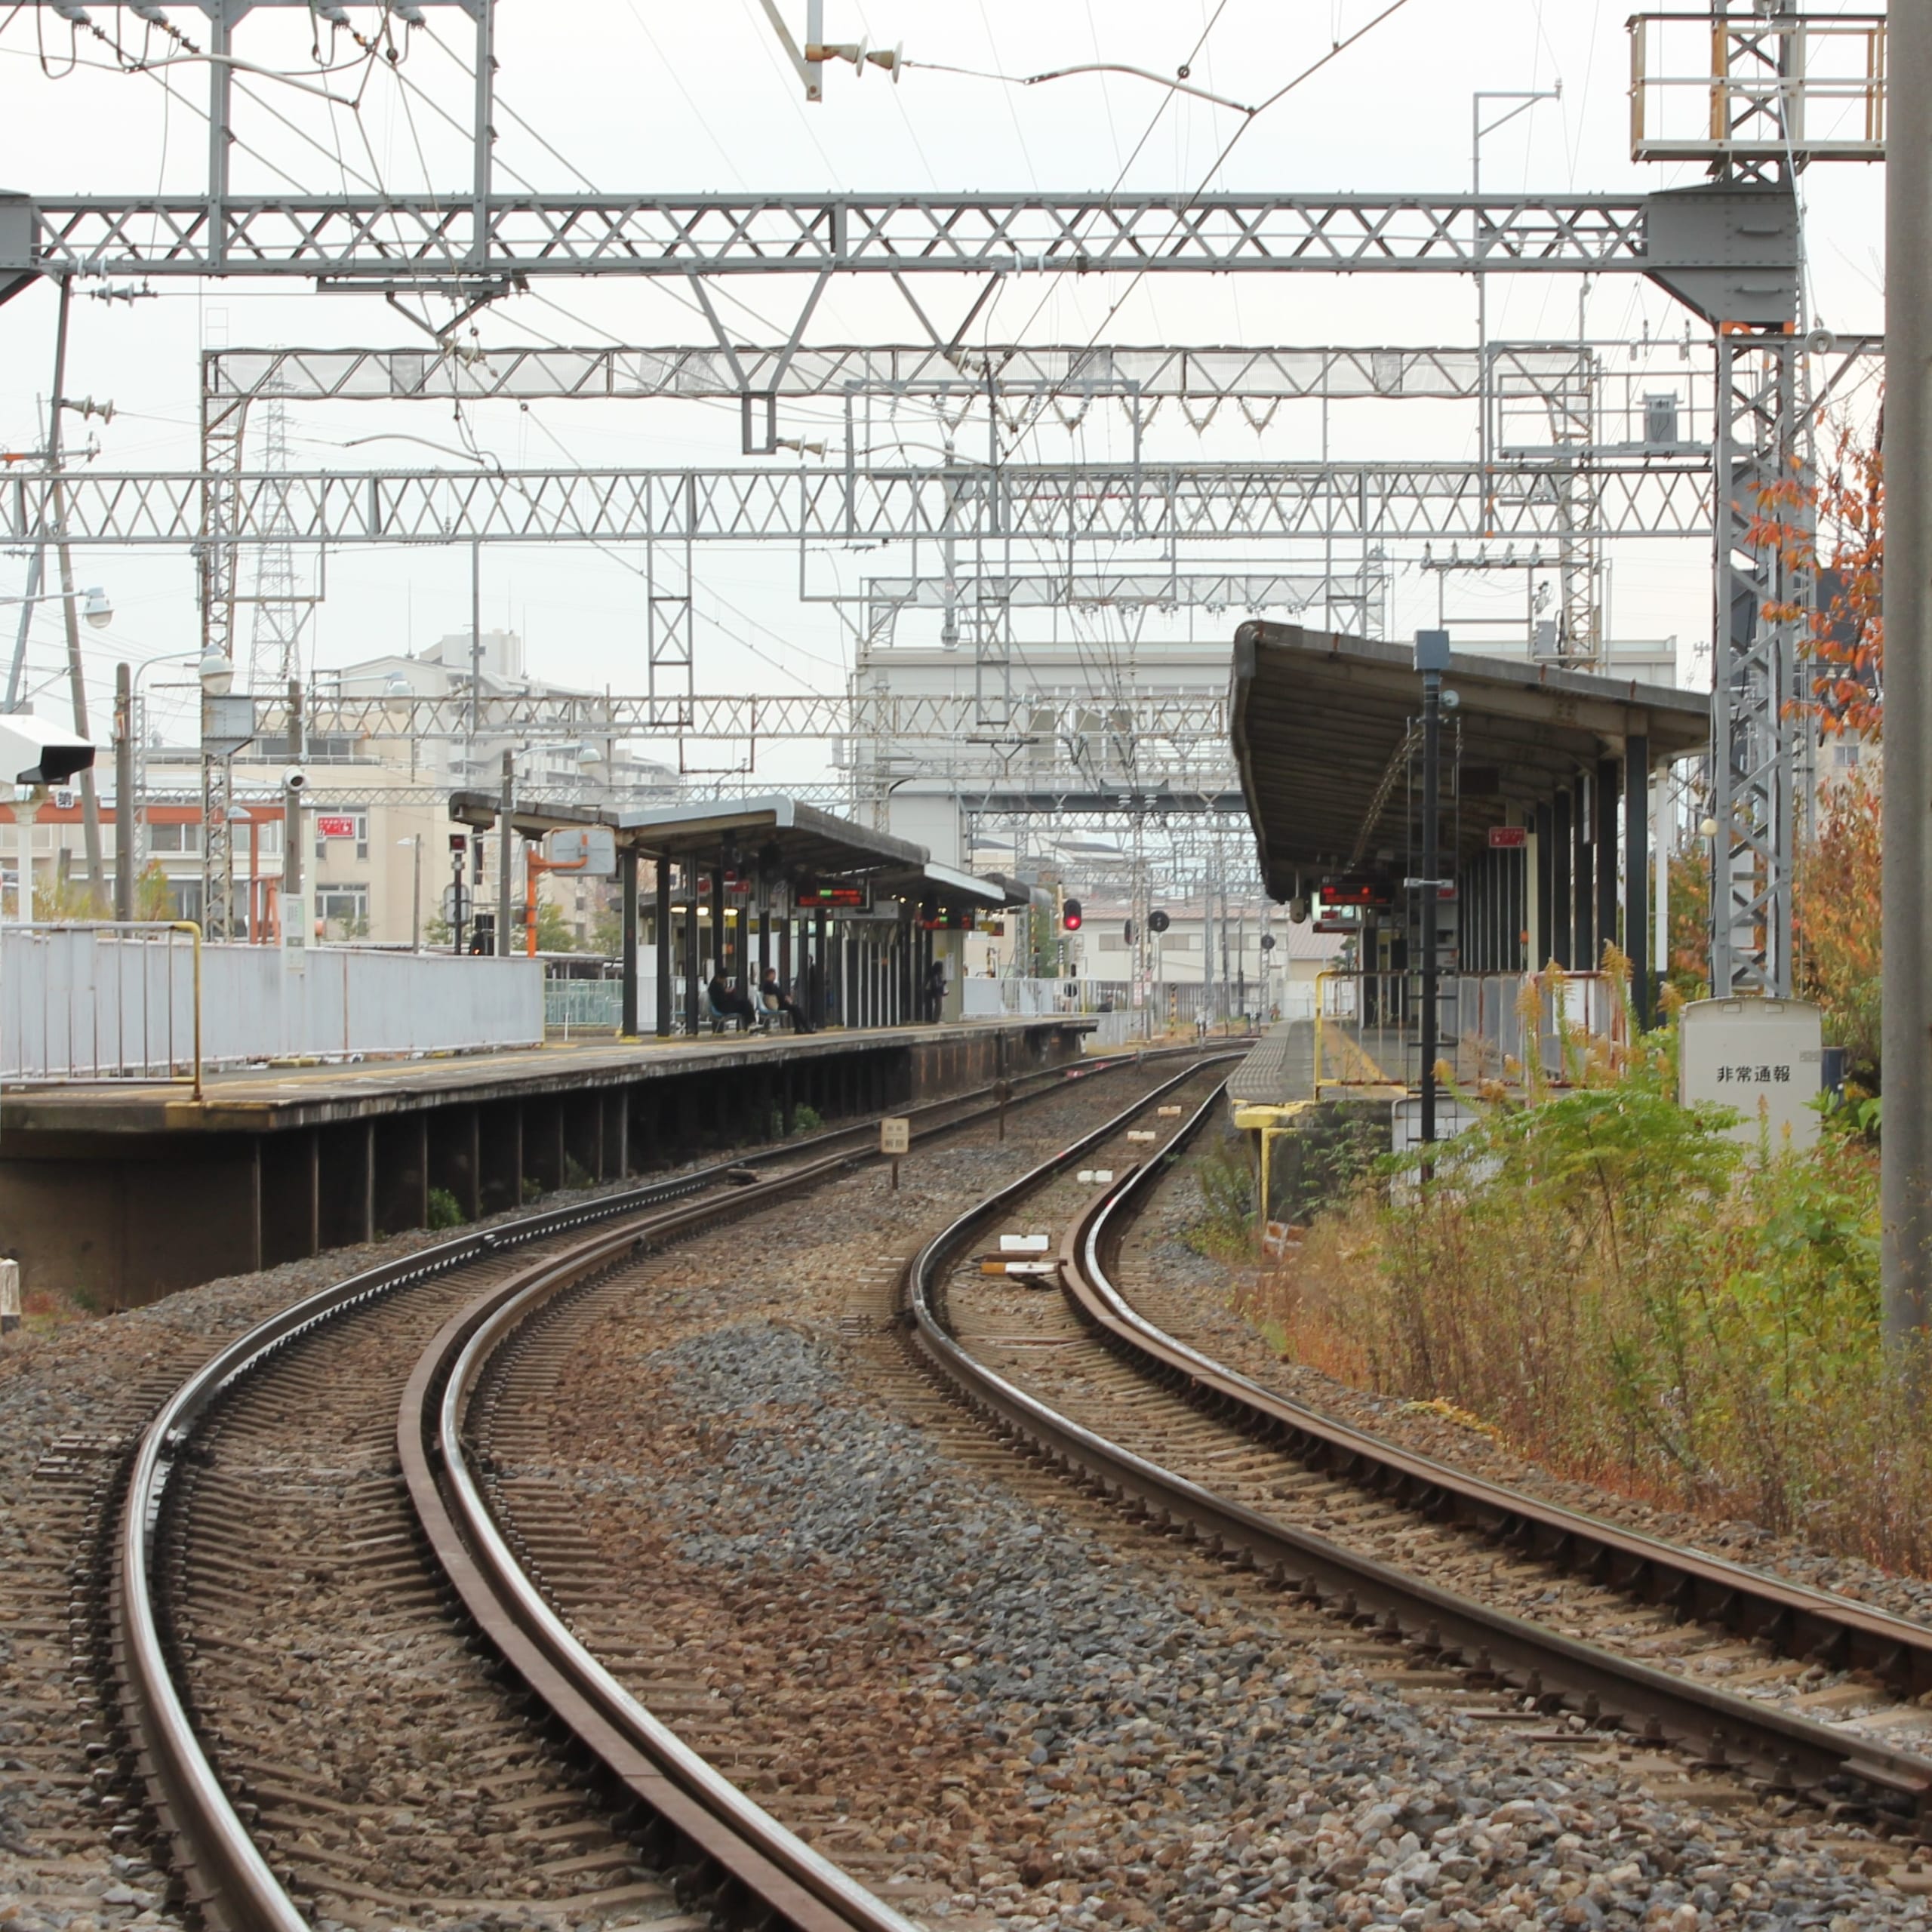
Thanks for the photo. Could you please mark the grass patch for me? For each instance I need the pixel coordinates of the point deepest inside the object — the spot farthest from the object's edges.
(1619, 1290)
(1224, 1230)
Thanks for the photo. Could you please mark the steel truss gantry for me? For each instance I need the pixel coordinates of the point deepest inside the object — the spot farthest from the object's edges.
(883, 601)
(428, 241)
(1198, 379)
(1729, 251)
(1189, 722)
(1022, 381)
(1116, 502)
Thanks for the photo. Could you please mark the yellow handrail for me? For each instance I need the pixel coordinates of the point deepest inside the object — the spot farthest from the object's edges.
(193, 930)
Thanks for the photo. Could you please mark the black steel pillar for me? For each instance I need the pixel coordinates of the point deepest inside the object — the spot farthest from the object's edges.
(1587, 809)
(1562, 862)
(1637, 872)
(1544, 937)
(627, 876)
(1431, 660)
(693, 952)
(721, 955)
(666, 940)
(1607, 787)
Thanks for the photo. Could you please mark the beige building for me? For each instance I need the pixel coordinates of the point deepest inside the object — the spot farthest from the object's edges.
(379, 848)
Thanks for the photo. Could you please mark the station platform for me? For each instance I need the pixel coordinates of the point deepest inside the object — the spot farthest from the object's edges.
(124, 1192)
(1280, 1073)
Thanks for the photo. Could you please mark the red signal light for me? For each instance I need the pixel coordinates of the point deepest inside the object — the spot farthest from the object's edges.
(1069, 915)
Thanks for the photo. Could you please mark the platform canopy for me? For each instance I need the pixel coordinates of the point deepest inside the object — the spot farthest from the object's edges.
(1322, 728)
(773, 833)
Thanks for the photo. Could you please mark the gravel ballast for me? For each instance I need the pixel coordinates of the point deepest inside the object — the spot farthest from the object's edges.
(1128, 1737)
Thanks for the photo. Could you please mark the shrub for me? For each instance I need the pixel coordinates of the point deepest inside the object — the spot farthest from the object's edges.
(1627, 1293)
(445, 1211)
(1225, 1228)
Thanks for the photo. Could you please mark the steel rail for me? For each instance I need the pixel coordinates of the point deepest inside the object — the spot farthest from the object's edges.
(224, 1873)
(1798, 1621)
(1495, 1646)
(779, 1878)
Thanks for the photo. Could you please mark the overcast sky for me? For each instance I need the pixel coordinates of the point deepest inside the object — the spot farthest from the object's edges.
(637, 95)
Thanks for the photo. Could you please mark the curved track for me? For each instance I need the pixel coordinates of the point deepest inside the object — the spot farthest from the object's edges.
(1546, 1608)
(227, 1602)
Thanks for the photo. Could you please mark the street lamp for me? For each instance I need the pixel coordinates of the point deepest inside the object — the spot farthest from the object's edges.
(97, 610)
(217, 671)
(415, 840)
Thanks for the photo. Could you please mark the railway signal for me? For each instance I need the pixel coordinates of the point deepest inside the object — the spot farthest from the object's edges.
(1070, 916)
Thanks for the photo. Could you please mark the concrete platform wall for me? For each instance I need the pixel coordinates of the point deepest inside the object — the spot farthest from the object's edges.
(124, 1218)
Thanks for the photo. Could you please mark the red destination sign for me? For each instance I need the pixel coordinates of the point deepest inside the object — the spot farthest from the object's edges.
(1508, 838)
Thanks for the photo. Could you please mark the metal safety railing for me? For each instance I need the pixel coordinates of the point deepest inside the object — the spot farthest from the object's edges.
(1702, 85)
(982, 998)
(98, 1000)
(593, 1005)
(101, 1000)
(1506, 1027)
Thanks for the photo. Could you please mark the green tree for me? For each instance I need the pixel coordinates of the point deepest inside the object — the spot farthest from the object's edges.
(607, 933)
(553, 935)
(154, 897)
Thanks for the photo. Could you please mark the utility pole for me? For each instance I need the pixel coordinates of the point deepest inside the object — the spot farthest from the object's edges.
(1431, 660)
(1905, 1157)
(126, 812)
(76, 677)
(291, 794)
(476, 657)
(505, 838)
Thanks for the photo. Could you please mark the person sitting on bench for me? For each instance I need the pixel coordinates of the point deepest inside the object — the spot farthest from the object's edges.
(730, 1005)
(775, 1001)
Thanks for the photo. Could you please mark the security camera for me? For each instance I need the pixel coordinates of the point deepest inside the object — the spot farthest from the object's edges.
(1298, 910)
(34, 753)
(294, 779)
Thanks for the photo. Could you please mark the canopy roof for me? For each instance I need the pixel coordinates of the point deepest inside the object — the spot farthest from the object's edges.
(795, 840)
(1321, 727)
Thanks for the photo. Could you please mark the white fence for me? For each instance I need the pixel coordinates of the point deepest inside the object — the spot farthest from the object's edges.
(1039, 999)
(106, 1002)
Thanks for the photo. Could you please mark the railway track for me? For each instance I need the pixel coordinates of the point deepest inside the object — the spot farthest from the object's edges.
(269, 1595)
(1544, 1612)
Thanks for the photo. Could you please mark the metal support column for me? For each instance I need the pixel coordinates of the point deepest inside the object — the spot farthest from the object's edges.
(1756, 639)
(1562, 863)
(666, 943)
(1431, 660)
(127, 814)
(627, 876)
(1905, 1186)
(1637, 872)
(693, 953)
(1584, 847)
(505, 840)
(1603, 822)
